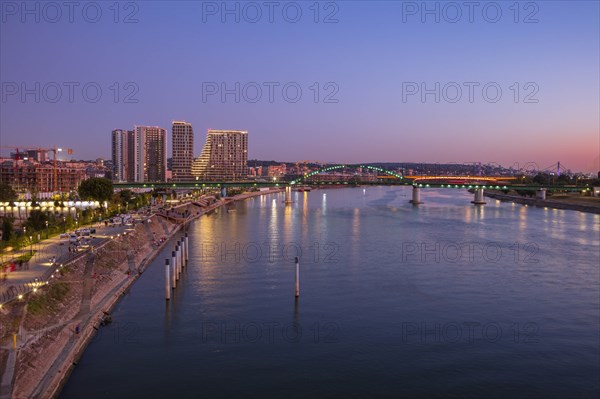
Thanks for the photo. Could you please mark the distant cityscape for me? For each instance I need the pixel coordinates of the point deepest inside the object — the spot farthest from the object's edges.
(140, 155)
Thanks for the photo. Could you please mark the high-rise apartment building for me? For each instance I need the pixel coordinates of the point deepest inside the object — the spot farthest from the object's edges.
(139, 155)
(224, 156)
(123, 155)
(182, 137)
(150, 154)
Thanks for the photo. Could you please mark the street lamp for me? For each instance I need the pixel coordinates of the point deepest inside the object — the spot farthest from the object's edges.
(46, 229)
(31, 245)
(64, 224)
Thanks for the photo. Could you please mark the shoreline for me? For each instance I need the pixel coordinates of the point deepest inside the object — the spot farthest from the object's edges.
(63, 362)
(538, 203)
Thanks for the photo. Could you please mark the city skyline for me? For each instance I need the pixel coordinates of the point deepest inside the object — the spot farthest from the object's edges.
(378, 84)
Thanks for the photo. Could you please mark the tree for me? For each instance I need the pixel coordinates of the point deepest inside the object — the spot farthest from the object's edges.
(7, 228)
(541, 179)
(96, 188)
(125, 197)
(7, 194)
(37, 220)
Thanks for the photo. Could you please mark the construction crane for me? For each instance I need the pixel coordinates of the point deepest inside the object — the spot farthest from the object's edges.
(55, 173)
(17, 154)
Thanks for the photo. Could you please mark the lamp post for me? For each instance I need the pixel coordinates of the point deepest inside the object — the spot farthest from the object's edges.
(46, 229)
(31, 245)
(64, 224)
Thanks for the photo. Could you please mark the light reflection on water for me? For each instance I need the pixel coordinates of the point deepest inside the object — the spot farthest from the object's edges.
(378, 275)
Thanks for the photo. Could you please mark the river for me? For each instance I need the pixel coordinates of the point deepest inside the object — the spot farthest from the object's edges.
(436, 300)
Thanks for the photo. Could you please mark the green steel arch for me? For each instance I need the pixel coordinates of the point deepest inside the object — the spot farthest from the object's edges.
(330, 168)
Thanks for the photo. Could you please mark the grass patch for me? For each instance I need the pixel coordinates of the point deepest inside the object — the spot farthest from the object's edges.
(46, 301)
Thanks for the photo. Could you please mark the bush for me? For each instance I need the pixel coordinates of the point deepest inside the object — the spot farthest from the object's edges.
(43, 302)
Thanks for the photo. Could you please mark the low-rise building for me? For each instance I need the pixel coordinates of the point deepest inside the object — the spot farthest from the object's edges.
(28, 176)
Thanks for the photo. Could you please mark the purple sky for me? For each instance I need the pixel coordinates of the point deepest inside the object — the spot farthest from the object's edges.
(372, 57)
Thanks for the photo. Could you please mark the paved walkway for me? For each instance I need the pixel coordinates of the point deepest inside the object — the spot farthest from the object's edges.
(46, 249)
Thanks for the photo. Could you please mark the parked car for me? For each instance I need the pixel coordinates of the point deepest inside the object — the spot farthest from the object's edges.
(73, 238)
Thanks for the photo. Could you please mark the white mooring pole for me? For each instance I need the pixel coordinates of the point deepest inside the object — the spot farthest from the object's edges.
(167, 280)
(174, 270)
(297, 278)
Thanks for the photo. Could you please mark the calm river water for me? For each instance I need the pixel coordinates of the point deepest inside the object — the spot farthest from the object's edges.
(443, 299)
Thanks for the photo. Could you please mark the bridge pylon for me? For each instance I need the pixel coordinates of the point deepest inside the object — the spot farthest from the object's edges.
(479, 199)
(288, 194)
(416, 196)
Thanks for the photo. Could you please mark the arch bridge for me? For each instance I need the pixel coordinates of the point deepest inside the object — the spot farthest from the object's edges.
(379, 176)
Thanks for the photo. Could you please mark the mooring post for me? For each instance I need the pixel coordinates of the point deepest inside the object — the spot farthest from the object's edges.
(178, 255)
(180, 260)
(167, 280)
(177, 263)
(178, 251)
(173, 270)
(187, 248)
(297, 278)
(184, 253)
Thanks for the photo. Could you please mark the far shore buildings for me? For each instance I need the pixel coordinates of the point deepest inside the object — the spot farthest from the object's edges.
(224, 156)
(139, 155)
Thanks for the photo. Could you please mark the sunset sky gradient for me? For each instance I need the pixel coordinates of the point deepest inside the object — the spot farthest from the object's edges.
(369, 53)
